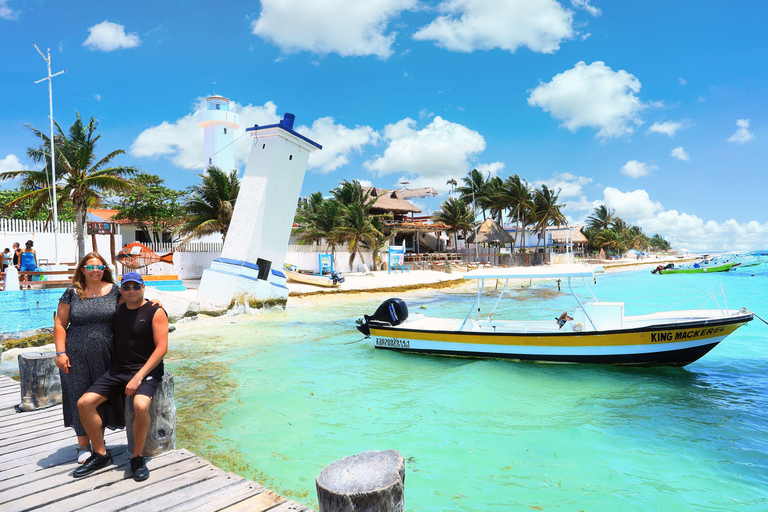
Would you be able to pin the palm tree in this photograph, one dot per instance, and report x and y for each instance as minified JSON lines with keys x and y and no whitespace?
{"x":358,"y":229}
{"x":456,"y":214}
{"x":591,"y":235}
{"x":547,"y":211}
{"x":320,"y":219}
{"x":210,"y":204}
{"x":601,"y":218}
{"x":520,"y":203}
{"x":474,"y":191}
{"x":453,"y":183}
{"x":81,"y":178}
{"x":608,"y":239}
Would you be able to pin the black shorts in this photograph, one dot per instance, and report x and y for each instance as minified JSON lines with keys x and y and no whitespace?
{"x":114,"y":381}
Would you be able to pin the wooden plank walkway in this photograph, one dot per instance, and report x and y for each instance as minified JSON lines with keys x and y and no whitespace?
{"x":37,"y":457}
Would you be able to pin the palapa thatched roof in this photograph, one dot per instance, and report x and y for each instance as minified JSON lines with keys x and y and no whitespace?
{"x":490,"y":232}
{"x":415,"y":227}
{"x":390,"y":200}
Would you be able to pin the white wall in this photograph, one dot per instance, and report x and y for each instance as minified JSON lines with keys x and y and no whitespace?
{"x":43,"y":237}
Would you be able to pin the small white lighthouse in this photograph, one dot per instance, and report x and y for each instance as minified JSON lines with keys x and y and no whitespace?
{"x":218,"y":125}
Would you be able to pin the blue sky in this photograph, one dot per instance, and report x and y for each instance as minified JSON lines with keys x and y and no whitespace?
{"x":656,"y":109}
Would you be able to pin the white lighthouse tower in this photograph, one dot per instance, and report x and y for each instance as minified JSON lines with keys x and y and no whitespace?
{"x":218,"y":125}
{"x":250,"y":267}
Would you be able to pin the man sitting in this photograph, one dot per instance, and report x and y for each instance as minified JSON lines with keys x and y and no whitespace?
{"x":562,"y":319}
{"x":140,"y":342}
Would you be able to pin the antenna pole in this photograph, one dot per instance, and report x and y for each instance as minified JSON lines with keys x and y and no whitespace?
{"x":53,"y":155}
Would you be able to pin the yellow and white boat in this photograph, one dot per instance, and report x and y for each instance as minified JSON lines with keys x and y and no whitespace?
{"x":598,"y":333}
{"x":294,"y":273}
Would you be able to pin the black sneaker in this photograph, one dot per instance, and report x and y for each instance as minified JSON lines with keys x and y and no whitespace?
{"x":139,"y":468}
{"x":93,"y":463}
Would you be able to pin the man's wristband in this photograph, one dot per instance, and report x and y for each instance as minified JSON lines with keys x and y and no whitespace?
{"x":60,"y":353}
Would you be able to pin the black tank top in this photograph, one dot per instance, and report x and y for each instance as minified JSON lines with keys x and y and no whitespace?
{"x":134,"y":340}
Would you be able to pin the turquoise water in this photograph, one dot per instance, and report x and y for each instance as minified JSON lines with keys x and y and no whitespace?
{"x":482,"y":435}
{"x":28,"y":309}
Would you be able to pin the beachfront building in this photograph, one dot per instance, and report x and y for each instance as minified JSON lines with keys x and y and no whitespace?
{"x":560,"y":240}
{"x":418,"y":234}
{"x":219,"y":125}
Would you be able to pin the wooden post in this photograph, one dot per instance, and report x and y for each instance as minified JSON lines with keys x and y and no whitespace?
{"x":40,"y":380}
{"x":162,"y":413}
{"x":112,"y":250}
{"x":371,"y":481}
{"x":93,"y":243}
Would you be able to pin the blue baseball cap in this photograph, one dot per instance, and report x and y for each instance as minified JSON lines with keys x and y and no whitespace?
{"x":132,"y":277}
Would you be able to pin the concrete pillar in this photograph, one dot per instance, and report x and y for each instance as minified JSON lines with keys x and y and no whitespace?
{"x":40,"y":380}
{"x":162,"y":413}
{"x":371,"y":481}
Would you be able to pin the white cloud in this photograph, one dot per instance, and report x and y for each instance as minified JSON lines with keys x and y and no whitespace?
{"x":181,"y":141}
{"x":682,"y":81}
{"x":592,"y":95}
{"x":683,"y":230}
{"x":680,"y":154}
{"x":11,"y":163}
{"x":440,"y":151}
{"x":108,"y":36}
{"x":425,"y":113}
{"x":584,"y":4}
{"x":6,"y":12}
{"x":366,"y":183}
{"x":635,"y":169}
{"x":338,"y":142}
{"x":97,"y":97}
{"x":348,"y":27}
{"x":569,"y":184}
{"x":742,"y":135}
{"x":668,"y":128}
{"x":492,"y":169}
{"x":631,"y":206}
{"x":469,"y":25}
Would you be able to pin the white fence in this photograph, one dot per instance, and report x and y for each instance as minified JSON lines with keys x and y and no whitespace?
{"x":190,"y":247}
{"x":41,"y":233}
{"x":35,"y":226}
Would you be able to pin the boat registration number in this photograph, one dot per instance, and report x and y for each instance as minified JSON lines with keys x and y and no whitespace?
{"x":392,"y":343}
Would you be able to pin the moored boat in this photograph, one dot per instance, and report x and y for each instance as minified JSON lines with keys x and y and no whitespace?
{"x":699,"y":267}
{"x":309,"y":277}
{"x":598,"y":332}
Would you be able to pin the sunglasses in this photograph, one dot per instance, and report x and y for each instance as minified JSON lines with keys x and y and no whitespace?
{"x":91,"y":268}
{"x":135,"y":287}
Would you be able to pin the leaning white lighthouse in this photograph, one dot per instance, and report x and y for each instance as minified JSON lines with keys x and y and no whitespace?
{"x":218,"y":125}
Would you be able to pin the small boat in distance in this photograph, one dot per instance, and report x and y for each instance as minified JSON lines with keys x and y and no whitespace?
{"x":598,"y":332}
{"x":309,"y":277}
{"x":698,"y":267}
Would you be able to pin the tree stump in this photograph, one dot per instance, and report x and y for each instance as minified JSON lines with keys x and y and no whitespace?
{"x":40,"y":380}
{"x":371,"y":481}
{"x":162,"y":413}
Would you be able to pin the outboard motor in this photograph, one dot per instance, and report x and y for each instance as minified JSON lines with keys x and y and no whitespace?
{"x":390,"y":312}
{"x":336,"y":276}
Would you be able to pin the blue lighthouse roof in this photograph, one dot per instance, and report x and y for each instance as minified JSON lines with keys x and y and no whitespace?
{"x":286,"y":123}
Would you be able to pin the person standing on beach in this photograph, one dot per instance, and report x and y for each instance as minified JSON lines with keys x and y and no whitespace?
{"x":141,"y":342}
{"x":28,"y":259}
{"x":83,"y":335}
{"x":16,"y":254}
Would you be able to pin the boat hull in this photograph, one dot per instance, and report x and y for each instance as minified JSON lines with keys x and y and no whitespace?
{"x":662,"y":345}
{"x":315,"y":279}
{"x":701,"y":270}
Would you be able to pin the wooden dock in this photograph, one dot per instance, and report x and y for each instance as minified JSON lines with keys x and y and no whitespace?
{"x":38,"y":456}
